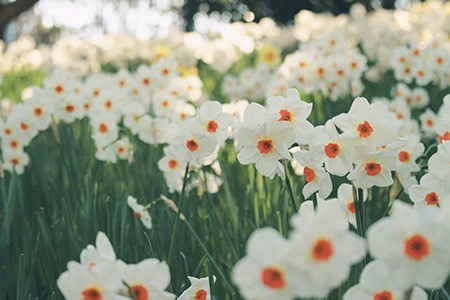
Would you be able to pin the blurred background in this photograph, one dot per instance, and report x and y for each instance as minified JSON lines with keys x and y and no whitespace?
{"x":47,"y":20}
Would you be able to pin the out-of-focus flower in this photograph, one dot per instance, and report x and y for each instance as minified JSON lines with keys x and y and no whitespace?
{"x":140,"y":212}
{"x":264,"y":272}
{"x":439,"y":163}
{"x":322,"y":250}
{"x":79,"y":282}
{"x":376,"y":283}
{"x":413,"y":246}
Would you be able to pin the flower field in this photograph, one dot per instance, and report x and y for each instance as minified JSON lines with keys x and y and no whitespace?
{"x":262,"y":162}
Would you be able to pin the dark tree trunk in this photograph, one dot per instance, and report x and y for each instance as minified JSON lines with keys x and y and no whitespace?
{"x":11,"y":11}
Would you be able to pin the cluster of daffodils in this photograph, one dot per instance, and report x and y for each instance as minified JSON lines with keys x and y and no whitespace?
{"x":367,"y":145}
{"x":100,"y":275}
{"x":367,"y":150}
{"x":335,"y":52}
{"x":266,"y":134}
{"x":408,"y":250}
{"x":222,"y":49}
{"x":196,"y":141}
{"x":417,"y":35}
{"x":331,"y":65}
{"x":315,"y":259}
{"x":436,"y":125}
{"x":145,"y":103}
{"x":251,"y":83}
{"x":430,"y":64}
{"x":23,"y":54}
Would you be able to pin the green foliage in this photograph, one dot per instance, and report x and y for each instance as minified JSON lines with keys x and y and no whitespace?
{"x":14,"y":83}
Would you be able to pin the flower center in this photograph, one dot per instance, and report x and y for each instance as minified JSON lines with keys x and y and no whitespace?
{"x":70,"y":108}
{"x":173,"y":163}
{"x":108,"y":104}
{"x":38,"y":111}
{"x":444,"y":137}
{"x":309,"y":174}
{"x":270,"y":56}
{"x":383,"y":295}
{"x":140,"y":292}
{"x":92,"y":294}
{"x":416,"y":247}
{"x":332,"y":150}
{"x":102,"y":128}
{"x":321,"y":71}
{"x":364,"y":129}
{"x":351,"y":206}
{"x":146,"y":81}
{"x":59,"y":89}
{"x":273,"y":278}
{"x":200,"y":295}
{"x":265,"y":146}
{"x":23,"y":125}
{"x":432,"y":198}
{"x":192,"y":145}
{"x":372,"y":169}
{"x":138,"y":215}
{"x":404,"y":156}
{"x":285,"y":115}
{"x":322,"y":250}
{"x":212,"y":126}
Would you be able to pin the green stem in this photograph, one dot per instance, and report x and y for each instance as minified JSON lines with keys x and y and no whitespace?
{"x":177,"y":219}
{"x":219,"y":220}
{"x":358,"y":212}
{"x":208,"y":254}
{"x":362,"y":211}
{"x":314,"y":200}
{"x":289,"y":187}
{"x":386,"y":212}
{"x":131,"y":292}
{"x":445,"y":293}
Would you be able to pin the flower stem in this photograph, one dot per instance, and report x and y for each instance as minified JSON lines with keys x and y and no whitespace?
{"x":219,"y":219}
{"x":445,"y":293}
{"x":208,"y":254}
{"x":359,"y":210}
{"x":131,"y":292}
{"x":289,"y":187}
{"x":314,"y":200}
{"x":177,"y":219}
